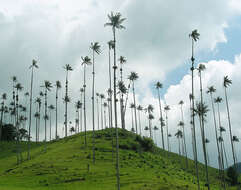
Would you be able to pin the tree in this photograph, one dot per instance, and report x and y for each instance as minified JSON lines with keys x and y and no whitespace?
{"x":81,"y":110}
{"x":194,"y":37}
{"x":122,"y":62}
{"x":207,"y":142}
{"x":95,"y":47}
{"x":85,"y":61}
{"x":140,"y":109}
{"x":78,"y":106}
{"x":201,"y":110}
{"x":210,"y":91}
{"x":158,"y":87}
{"x":51,"y":108}
{"x":132,"y":106}
{"x":179,"y":135}
{"x":36,"y":116}
{"x":150,"y":117}
{"x":72,"y":130}
{"x":226,"y":83}
{"x":14,"y":80}
{"x":32,"y":67}
{"x":98,"y":112}
{"x":235,"y":140}
{"x":4,"y":97}
{"x":155,"y":129}
{"x":232,"y":175}
{"x":68,"y":68}
{"x":133,"y":77}
{"x":102,"y":97}
{"x":115,"y":22}
{"x":39,"y":102}
{"x":167,"y":109}
{"x":183,"y":132}
{"x":58,"y":86}
{"x":47,"y":86}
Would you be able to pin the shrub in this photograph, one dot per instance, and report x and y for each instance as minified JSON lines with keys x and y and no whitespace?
{"x":147,"y":144}
{"x":232,"y":175}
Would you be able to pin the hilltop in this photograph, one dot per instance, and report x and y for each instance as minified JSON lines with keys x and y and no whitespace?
{"x":68,"y":164}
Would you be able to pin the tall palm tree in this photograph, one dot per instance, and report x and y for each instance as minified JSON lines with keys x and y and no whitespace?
{"x":194,"y":37}
{"x":58,"y":86}
{"x":207,"y":142}
{"x":68,"y":68}
{"x":133,"y":77}
{"x":183,"y":132}
{"x":39,"y":102}
{"x":115,"y":22}
{"x":95,"y":47}
{"x":222,"y":130}
{"x":140,"y":109}
{"x":14,"y":80}
{"x":81,"y":110}
{"x":158,"y":87}
{"x":78,"y":106}
{"x":51,"y":108}
{"x":4,"y":97}
{"x":47,"y":86}
{"x":235,"y":140}
{"x":210,"y":91}
{"x":122,"y":62}
{"x":226,"y":83}
{"x":105,"y":119}
{"x":32,"y":67}
{"x":201,"y":110}
{"x":97,"y":106}
{"x":36,"y":116}
{"x":167,"y":109}
{"x":85,"y":61}
{"x":150,"y":117}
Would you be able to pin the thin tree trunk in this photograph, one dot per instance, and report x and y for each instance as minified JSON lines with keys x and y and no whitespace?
{"x":230,"y":128}
{"x":134,"y":98}
{"x":93,"y":107}
{"x":39,"y":110}
{"x":193,"y":120}
{"x":132,"y":120}
{"x":101,"y":113}
{"x":122,"y":101}
{"x":115,"y":109}
{"x":66,"y":104}
{"x":50,"y":127}
{"x":139,"y":121}
{"x":184,"y":138}
{"x":30,"y":114}
{"x":56,"y":114}
{"x":45,"y":121}
{"x":85,"y":107}
{"x":98,"y":114}
{"x":159,"y":99}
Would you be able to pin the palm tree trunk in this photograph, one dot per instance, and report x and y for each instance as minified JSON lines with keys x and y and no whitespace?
{"x":56,"y":114}
{"x":30,"y":114}
{"x":184,"y":138}
{"x":134,"y":98}
{"x":50,"y":125}
{"x":115,"y":109}
{"x":203,"y":135}
{"x":132,"y":120}
{"x":193,"y":121}
{"x":139,"y":117}
{"x":66,"y":104}
{"x":215,"y":125}
{"x":105,"y":119}
{"x":225,"y":155}
{"x":101,"y":113}
{"x":93,"y":107}
{"x":1,"y":124}
{"x":167,"y":131}
{"x":45,"y":120}
{"x":159,"y":99}
{"x":39,"y":110}
{"x":122,"y":102}
{"x":98,"y":114}
{"x":230,"y":128}
{"x":85,"y":107}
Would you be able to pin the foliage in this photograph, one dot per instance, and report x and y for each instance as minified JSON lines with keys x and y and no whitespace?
{"x":9,"y":132}
{"x":232,"y":175}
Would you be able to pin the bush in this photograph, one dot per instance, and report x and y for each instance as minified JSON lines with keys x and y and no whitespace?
{"x":147,"y":144}
{"x":8,"y":132}
{"x":232,"y":175}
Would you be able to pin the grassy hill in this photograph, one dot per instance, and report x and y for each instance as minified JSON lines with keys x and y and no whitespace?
{"x":68,"y":165}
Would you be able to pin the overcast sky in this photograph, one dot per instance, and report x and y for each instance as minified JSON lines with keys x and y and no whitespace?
{"x":155,"y":44}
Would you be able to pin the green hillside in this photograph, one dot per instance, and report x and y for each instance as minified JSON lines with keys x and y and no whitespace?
{"x":67,"y":164}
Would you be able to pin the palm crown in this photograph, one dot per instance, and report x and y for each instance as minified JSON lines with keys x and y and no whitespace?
{"x":194,"y":35}
{"x":58,"y":84}
{"x":95,"y":46}
{"x":218,"y":100}
{"x":211,"y":89}
{"x":86,"y":60}
{"x":122,"y":60}
{"x":226,"y":81}
{"x":133,"y":76}
{"x":115,"y":20}
{"x":67,"y":67}
{"x":34,"y":64}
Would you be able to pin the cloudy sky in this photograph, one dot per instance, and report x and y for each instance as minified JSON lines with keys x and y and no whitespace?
{"x":155,"y":44}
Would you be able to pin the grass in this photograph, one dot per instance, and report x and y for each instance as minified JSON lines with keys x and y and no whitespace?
{"x":68,"y":165}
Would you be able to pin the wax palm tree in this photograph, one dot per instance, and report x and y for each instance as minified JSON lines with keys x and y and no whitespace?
{"x":158,"y":86}
{"x":122,"y":90}
{"x":150,"y":117}
{"x":102,"y":97}
{"x":68,"y":68}
{"x":167,"y":109}
{"x":47,"y":86}
{"x":222,"y":130}
{"x":220,"y":140}
{"x":51,"y":108}
{"x":155,"y":129}
{"x":58,"y":86}
{"x":201,"y":110}
{"x":146,"y":128}
{"x":183,"y":132}
{"x":85,"y":61}
{"x":95,"y":47}
{"x":36,"y":116}
{"x":207,"y":142}
{"x":32,"y":67}
{"x":179,"y":136}
{"x":14,"y":80}
{"x":4,"y":97}
{"x":140,"y":109}
{"x":226,"y":83}
{"x":210,"y":91}
{"x":105,"y":119}
{"x":39,"y":102}
{"x":81,"y":110}
{"x":71,"y":130}
{"x":115,"y":22}
{"x":133,"y":77}
{"x":98,"y":111}
{"x":194,"y":37}
{"x":122,"y":61}
{"x":78,"y":106}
